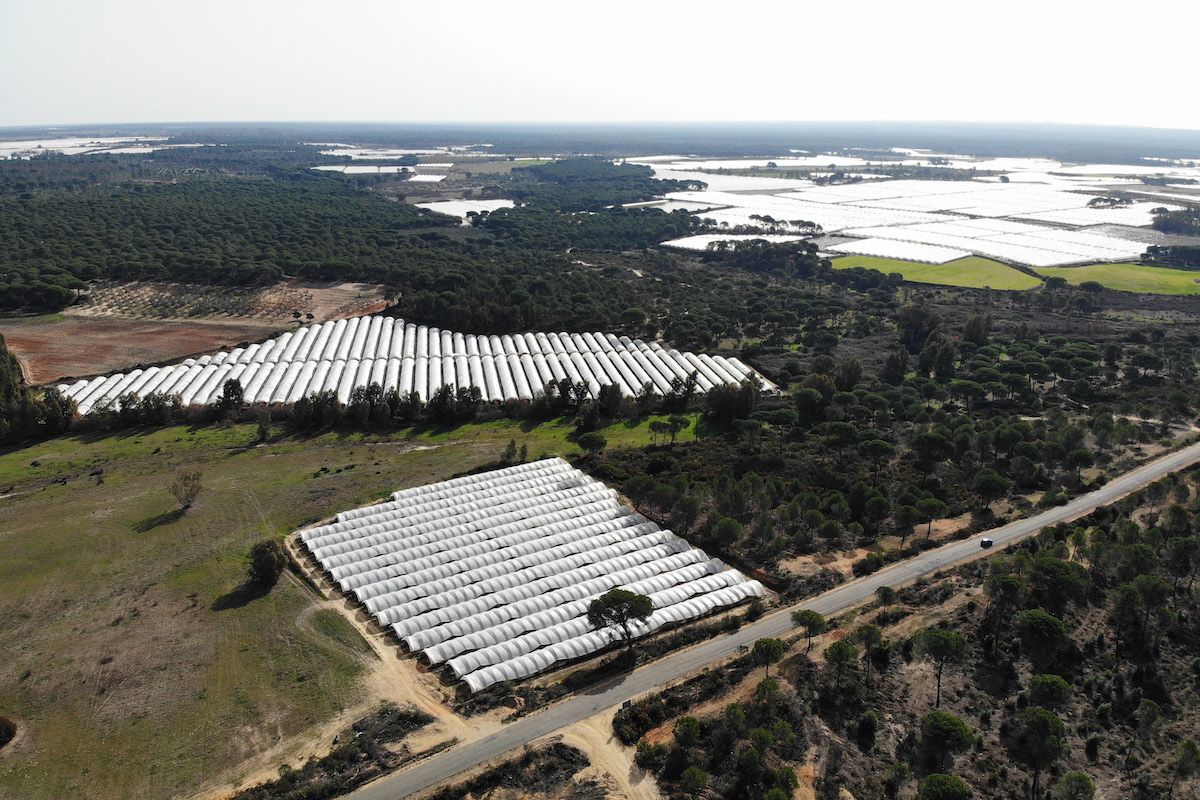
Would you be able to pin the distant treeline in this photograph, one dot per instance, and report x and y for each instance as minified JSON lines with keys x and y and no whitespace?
{"x":242,"y":232}
{"x":1174,"y":256}
{"x":253,"y":231}
{"x":1185,"y":222}
{"x":264,"y":157}
{"x":1075,"y":143}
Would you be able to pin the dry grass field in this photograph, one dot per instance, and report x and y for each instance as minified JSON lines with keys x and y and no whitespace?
{"x":127,"y":637}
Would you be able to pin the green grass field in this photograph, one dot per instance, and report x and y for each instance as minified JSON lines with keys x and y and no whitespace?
{"x":1140,"y":278}
{"x":131,"y":664}
{"x":973,"y":272}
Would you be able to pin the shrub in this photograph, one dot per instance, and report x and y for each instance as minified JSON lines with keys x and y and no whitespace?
{"x":942,"y":787}
{"x":8,"y":731}
{"x":872,"y":562}
{"x":186,"y":487}
{"x":267,"y":562}
{"x":650,"y":757}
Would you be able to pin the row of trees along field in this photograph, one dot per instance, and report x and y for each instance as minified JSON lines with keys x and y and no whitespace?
{"x":1174,"y":256}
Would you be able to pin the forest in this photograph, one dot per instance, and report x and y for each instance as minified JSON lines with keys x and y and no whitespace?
{"x":255,"y":230}
{"x":1185,"y":222}
{"x":1069,"y":672}
{"x":588,"y":184}
{"x":954,"y":420}
{"x":242,"y":232}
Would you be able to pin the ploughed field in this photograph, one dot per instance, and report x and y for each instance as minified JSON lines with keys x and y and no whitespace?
{"x":58,"y":346}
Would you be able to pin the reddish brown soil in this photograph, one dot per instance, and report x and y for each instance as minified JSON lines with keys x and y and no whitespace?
{"x":80,"y":346}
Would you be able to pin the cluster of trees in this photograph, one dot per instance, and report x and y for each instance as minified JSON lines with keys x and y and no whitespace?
{"x":850,"y":459}
{"x":798,"y":260}
{"x":1174,"y":255}
{"x":613,"y":228}
{"x":588,"y":184}
{"x":1080,"y":654}
{"x":27,"y":413}
{"x":1185,"y":222}
{"x":739,"y":753}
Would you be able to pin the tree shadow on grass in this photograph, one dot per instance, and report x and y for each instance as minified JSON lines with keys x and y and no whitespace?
{"x":242,"y":595}
{"x":166,"y":518}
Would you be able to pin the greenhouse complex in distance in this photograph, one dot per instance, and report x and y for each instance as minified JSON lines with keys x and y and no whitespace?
{"x":491,"y":574}
{"x":343,"y":355}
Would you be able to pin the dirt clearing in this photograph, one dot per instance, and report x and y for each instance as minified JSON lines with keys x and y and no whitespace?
{"x":611,"y":762}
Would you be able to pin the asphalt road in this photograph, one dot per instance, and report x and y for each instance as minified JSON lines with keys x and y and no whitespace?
{"x":445,"y":765}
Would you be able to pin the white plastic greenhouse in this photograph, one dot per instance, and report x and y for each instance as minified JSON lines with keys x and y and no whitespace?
{"x":350,"y":353}
{"x":491,"y":574}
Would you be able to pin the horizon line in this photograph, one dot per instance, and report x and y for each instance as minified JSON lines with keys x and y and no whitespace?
{"x":603,"y":123}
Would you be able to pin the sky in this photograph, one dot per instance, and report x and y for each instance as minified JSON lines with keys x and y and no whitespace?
{"x":109,"y":61}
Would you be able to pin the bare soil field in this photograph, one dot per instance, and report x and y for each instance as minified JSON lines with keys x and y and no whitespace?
{"x":56,"y":347}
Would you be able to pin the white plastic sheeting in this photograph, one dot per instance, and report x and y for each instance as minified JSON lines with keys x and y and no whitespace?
{"x":909,"y":251}
{"x":347,"y":354}
{"x":912,"y":211}
{"x":1008,"y":240}
{"x":491,"y":574}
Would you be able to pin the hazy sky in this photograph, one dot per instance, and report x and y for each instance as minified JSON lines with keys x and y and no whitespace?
{"x":87,"y":61}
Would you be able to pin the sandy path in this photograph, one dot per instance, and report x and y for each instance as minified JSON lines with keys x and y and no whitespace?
{"x":395,"y":677}
{"x":612,"y":762}
{"x":390,"y":676}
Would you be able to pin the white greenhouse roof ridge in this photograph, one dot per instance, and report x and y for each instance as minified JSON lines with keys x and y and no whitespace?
{"x":895,"y":209}
{"x":703,"y":240}
{"x":491,"y":574}
{"x":460,"y":208}
{"x":343,"y":355}
{"x":1007,"y":240}
{"x":908,"y":251}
